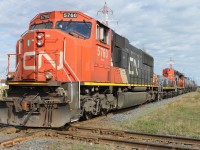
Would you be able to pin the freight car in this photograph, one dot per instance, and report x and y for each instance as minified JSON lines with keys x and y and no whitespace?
{"x":69,"y":65}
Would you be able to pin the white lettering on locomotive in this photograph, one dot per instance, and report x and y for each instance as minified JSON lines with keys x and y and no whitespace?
{"x":133,"y":64}
{"x":42,"y":54}
{"x":24,"y":61}
{"x":102,"y":52}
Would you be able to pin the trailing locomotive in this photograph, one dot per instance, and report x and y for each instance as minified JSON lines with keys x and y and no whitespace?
{"x":69,"y":65}
{"x":173,"y":83}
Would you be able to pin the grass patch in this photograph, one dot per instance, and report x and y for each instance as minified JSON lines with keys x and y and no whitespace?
{"x":181,"y":117}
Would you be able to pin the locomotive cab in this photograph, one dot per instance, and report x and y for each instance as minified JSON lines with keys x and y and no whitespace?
{"x":60,"y":49}
{"x":45,"y":49}
{"x":62,"y":43}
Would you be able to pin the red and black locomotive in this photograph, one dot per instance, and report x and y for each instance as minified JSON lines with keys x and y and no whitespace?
{"x":69,"y":65}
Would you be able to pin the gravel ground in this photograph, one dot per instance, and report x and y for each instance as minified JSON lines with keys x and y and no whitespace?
{"x":112,"y":122}
{"x":8,"y":136}
{"x":44,"y":143}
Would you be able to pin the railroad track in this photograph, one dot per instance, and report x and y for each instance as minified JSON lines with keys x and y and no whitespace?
{"x":151,"y":141}
{"x":20,"y":139}
{"x":118,"y":139}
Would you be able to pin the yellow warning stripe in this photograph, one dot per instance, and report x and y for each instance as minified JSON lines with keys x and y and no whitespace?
{"x":115,"y":84}
{"x":94,"y":84}
{"x":27,"y":83}
{"x":172,"y":88}
{"x":168,"y":88}
{"x":121,"y":84}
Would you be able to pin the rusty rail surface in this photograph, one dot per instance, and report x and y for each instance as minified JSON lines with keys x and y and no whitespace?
{"x":172,"y":141}
{"x":20,"y":139}
{"x":116,"y":142}
{"x":118,"y":139}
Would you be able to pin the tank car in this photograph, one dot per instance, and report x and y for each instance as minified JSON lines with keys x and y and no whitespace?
{"x":68,"y":66}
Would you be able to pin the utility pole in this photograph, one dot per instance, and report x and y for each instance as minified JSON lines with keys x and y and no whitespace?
{"x":171,"y":62}
{"x":144,"y":49}
{"x":105,"y":12}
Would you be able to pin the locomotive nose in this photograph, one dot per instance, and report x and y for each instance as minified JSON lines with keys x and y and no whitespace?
{"x":42,"y":61}
{"x":27,"y":49}
{"x":33,"y":40}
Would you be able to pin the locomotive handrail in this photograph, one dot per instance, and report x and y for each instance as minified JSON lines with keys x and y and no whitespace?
{"x":34,"y":17}
{"x":68,"y":64}
{"x":24,"y":33}
{"x":70,"y":82}
{"x":9,"y":60}
{"x":36,"y":64}
{"x":17,"y":70}
{"x":64,"y":48}
{"x":67,"y":75}
{"x":1,"y":77}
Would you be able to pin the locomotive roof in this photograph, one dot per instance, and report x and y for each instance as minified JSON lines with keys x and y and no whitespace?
{"x":79,"y":16}
{"x":60,"y":15}
{"x":175,"y":71}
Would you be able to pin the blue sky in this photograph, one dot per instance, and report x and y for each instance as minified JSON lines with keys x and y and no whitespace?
{"x":165,"y":28}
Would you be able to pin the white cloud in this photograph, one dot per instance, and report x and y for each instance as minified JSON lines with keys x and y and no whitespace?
{"x":165,"y":28}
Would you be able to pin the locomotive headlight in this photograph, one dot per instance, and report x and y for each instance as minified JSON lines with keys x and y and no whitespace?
{"x":39,"y":43}
{"x":40,"y":36}
{"x":9,"y":76}
{"x":48,"y":75}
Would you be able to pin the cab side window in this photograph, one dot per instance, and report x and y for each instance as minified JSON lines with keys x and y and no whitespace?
{"x":103,"y":34}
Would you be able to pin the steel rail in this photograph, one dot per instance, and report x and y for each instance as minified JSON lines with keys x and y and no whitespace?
{"x":116,"y":142}
{"x":149,"y":138}
{"x":118,"y":139}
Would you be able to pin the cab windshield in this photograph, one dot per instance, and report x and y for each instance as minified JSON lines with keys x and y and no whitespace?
{"x":47,"y":25}
{"x":79,"y":28}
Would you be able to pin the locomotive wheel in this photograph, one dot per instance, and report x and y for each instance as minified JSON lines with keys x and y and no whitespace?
{"x":105,"y":107}
{"x":88,"y":115}
{"x":104,"y":111}
{"x":158,"y":97}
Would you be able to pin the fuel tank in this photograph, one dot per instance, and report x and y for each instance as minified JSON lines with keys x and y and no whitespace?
{"x":129,"y":99}
{"x":139,"y":89}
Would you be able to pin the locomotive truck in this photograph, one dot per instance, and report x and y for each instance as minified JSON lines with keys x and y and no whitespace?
{"x":71,"y":66}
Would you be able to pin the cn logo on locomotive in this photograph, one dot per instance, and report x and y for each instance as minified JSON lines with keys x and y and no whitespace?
{"x":133,"y":66}
{"x":40,"y":56}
